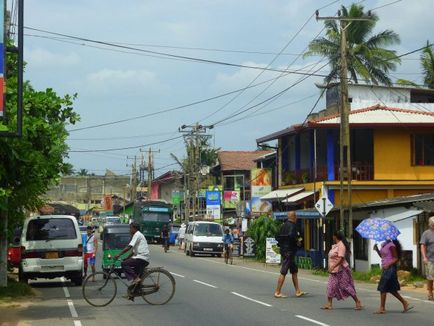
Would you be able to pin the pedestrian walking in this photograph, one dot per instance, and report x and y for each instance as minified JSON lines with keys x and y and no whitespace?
{"x":288,"y":242}
{"x":181,"y":235}
{"x":390,"y":254}
{"x":91,"y":249}
{"x":427,"y":250}
{"x":340,"y":284}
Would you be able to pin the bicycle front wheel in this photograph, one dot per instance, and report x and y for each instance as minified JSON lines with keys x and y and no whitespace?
{"x":99,"y":289}
{"x":161,"y":285}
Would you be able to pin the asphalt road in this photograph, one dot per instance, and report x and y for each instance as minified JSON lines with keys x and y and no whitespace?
{"x":209,"y":292}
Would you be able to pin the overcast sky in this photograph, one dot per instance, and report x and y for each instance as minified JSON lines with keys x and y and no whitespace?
{"x":114,"y":84}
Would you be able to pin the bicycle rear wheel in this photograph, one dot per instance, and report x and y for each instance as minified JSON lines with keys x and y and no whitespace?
{"x":162,"y":285}
{"x":99,"y":289}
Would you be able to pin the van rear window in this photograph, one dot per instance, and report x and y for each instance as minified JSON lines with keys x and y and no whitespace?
{"x":51,"y":229}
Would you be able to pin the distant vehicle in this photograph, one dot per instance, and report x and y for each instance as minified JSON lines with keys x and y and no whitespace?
{"x":14,"y":250}
{"x":173,"y":233}
{"x":51,"y":247}
{"x":116,"y":237}
{"x":152,"y":215}
{"x":204,"y":238}
{"x":109,"y":220}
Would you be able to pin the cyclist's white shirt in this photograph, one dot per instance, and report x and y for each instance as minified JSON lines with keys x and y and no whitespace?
{"x":140,"y":246}
{"x":90,"y":245}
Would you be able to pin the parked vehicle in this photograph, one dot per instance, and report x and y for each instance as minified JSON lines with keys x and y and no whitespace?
{"x":204,"y":238}
{"x":109,"y":220}
{"x":116,"y":237}
{"x":51,"y":246}
{"x":152,"y":215}
{"x":14,"y":250}
{"x":173,"y":233}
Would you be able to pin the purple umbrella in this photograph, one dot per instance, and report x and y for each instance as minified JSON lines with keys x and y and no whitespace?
{"x":378,"y":229}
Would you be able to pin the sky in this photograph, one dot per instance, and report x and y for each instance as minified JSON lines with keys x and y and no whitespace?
{"x":113,"y":84}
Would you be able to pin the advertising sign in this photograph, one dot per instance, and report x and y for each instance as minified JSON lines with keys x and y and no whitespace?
{"x":176,"y":197}
{"x":213,"y":198}
{"x":272,"y":255}
{"x":261,"y":185}
{"x":249,"y":247}
{"x":213,"y":212}
{"x":231,"y":198}
{"x":236,"y":248}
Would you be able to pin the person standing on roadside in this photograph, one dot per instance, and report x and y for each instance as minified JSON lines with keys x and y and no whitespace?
{"x":427,"y":250}
{"x":288,"y":242}
{"x":340,"y":284}
{"x":91,"y":249}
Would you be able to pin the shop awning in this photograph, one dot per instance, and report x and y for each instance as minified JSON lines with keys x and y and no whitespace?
{"x":281,"y":194}
{"x":404,"y":215}
{"x":297,"y":197}
{"x":307,"y":214}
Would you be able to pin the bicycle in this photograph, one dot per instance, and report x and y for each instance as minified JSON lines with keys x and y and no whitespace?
{"x":165,"y":242}
{"x":157,"y":287}
{"x":228,"y":254}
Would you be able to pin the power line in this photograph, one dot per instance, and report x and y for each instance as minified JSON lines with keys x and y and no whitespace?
{"x":386,"y":5}
{"x":123,"y":148}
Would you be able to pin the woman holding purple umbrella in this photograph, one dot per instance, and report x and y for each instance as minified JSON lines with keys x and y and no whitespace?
{"x":390,"y":254}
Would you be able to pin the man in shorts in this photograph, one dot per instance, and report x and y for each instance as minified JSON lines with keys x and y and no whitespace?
{"x":288,"y":243}
{"x":427,"y":250}
{"x":91,"y":249}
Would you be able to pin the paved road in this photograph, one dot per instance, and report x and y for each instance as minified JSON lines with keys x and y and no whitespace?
{"x":208,"y":292}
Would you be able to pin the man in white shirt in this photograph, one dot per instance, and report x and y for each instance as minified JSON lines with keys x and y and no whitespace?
{"x":138,"y":259}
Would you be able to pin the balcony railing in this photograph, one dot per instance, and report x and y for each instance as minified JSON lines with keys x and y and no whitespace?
{"x":360,"y":172}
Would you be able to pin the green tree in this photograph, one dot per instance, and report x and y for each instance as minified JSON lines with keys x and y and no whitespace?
{"x":262,"y":228}
{"x":427,"y":61}
{"x":83,"y":172}
{"x":367,"y":58}
{"x":31,"y":164}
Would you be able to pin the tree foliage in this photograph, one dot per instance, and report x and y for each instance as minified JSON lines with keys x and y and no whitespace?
{"x":427,"y":62}
{"x":262,"y":228}
{"x":367,"y":57}
{"x":31,"y":164}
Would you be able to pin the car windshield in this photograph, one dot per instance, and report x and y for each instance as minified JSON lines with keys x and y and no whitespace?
{"x":50,"y":229}
{"x":156,"y":217}
{"x":113,"y":220}
{"x":209,"y":230}
{"x":116,"y":240}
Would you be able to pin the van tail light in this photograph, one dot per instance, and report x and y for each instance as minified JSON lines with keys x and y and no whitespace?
{"x":80,"y":248}
{"x":29,"y":254}
{"x":72,"y":253}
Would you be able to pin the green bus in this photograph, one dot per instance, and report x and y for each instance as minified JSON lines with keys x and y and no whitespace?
{"x":152,"y":215}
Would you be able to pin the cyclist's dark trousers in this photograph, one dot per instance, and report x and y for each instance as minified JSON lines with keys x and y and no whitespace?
{"x":133,"y":267}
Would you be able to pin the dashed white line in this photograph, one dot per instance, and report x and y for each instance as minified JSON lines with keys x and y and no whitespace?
{"x":179,"y":275}
{"x":65,"y":289}
{"x":72,"y":309}
{"x":311,"y":320}
{"x":206,"y":284}
{"x":77,"y":323}
{"x":250,"y":299}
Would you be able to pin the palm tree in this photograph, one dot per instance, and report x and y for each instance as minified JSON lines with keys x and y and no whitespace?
{"x":367,"y":58}
{"x":83,"y":172}
{"x":427,"y":61}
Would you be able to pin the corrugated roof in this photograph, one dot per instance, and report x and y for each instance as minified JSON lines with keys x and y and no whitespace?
{"x":379,"y":114}
{"x":239,"y":160}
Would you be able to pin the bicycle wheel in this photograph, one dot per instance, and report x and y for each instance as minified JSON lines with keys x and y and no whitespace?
{"x":162,"y":285}
{"x":231,"y":258}
{"x":99,"y":289}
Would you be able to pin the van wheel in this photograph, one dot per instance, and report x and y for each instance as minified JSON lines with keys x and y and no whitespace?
{"x":78,"y":281}
{"x":22,"y":277}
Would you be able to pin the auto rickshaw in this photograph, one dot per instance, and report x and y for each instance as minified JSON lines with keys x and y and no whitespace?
{"x":116,"y":237}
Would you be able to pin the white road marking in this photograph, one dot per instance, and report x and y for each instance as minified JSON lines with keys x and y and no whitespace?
{"x":250,"y":299}
{"x":65,"y":289}
{"x":207,"y":284}
{"x":77,"y":323}
{"x":311,"y":320}
{"x":72,"y":309}
{"x":179,"y":275}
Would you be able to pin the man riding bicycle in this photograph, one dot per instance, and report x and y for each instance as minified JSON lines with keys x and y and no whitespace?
{"x":228,"y":240}
{"x":134,"y":265}
{"x":165,"y":237}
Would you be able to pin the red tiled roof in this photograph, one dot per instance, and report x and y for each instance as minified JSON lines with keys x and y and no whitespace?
{"x":239,"y":160}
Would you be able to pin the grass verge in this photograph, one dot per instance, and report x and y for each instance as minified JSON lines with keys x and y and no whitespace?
{"x":15,"y":290}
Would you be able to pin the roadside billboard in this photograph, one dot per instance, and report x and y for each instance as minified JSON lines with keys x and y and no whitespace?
{"x":272,"y":253}
{"x":260,"y":186}
{"x":213,"y":204}
{"x":231,"y":199}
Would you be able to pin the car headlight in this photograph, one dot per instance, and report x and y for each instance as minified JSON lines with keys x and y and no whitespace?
{"x":220,"y":245}
{"x":195,"y":244}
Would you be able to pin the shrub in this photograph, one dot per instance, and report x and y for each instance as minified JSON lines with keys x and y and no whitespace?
{"x":262,"y":228}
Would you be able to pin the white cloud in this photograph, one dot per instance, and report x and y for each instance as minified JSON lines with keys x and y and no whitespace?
{"x":43,"y":58}
{"x":117,"y":80}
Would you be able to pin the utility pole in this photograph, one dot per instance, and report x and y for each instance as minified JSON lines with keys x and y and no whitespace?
{"x":345,"y":167}
{"x":150,"y":172}
{"x":133,"y":189}
{"x":192,"y":137}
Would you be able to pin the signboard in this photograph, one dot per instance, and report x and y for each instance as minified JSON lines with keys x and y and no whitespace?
{"x":176,"y":197}
{"x":260,"y":186}
{"x":213,"y":212}
{"x":231,"y":198}
{"x":213,"y":198}
{"x":156,"y":209}
{"x":2,"y":57}
{"x":236,"y":248}
{"x":272,"y":255}
{"x":249,"y":247}
{"x":323,"y":206}
{"x":107,"y":203}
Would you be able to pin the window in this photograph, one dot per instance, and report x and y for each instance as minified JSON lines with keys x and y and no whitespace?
{"x":50,"y":229}
{"x":156,"y":217}
{"x":116,"y":241}
{"x":208,"y":230}
{"x":423,"y":149}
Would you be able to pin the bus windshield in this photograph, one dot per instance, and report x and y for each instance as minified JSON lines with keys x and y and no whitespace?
{"x":156,"y":217}
{"x":210,"y":230}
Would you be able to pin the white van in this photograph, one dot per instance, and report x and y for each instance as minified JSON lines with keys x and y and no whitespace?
{"x":51,"y":246}
{"x":203,"y":238}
